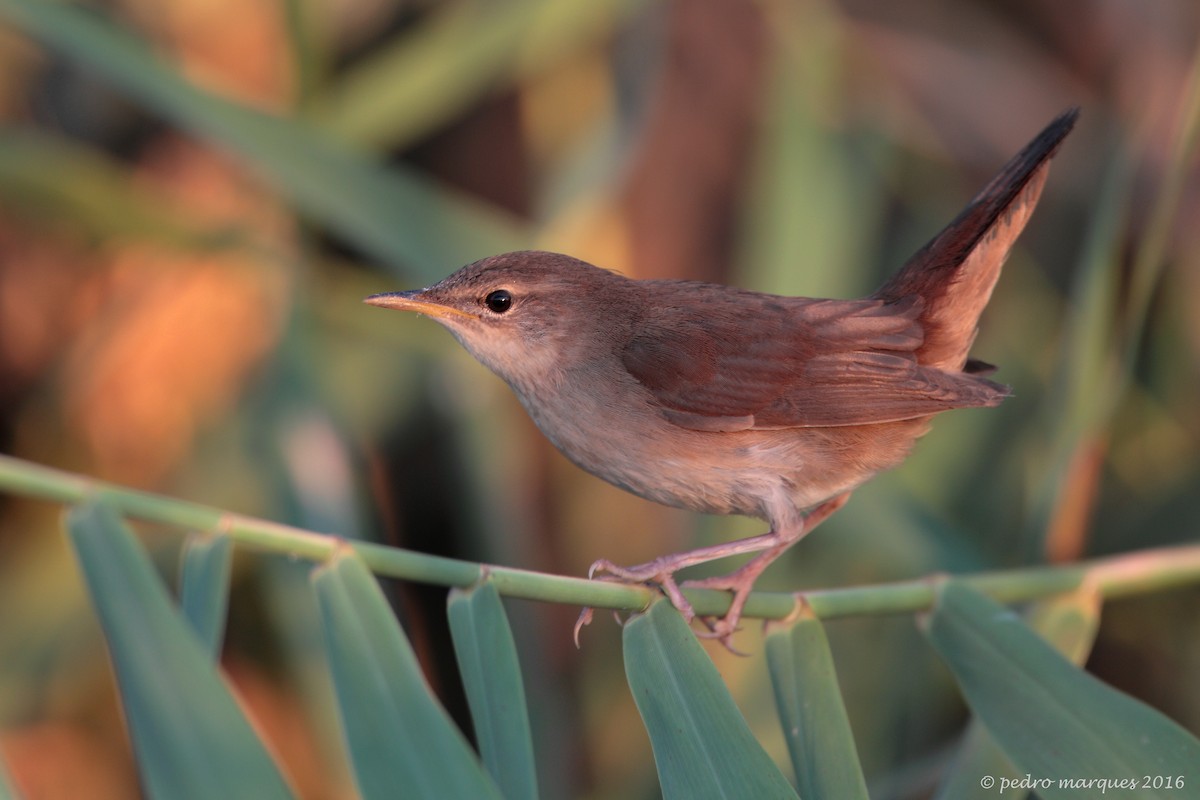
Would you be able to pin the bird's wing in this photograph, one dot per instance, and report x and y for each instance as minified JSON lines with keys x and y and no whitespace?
{"x":727,"y":365}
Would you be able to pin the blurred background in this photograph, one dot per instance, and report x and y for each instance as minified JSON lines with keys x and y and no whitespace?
{"x":180,"y":287}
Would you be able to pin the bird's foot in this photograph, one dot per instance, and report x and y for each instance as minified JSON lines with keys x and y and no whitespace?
{"x":660,"y":572}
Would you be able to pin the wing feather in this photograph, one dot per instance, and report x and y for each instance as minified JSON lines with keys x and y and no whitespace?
{"x":795,"y":363}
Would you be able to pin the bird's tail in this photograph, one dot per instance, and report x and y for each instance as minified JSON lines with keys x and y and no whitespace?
{"x":955,"y":272}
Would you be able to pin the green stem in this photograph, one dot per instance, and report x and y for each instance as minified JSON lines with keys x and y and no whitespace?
{"x":1115,"y":576}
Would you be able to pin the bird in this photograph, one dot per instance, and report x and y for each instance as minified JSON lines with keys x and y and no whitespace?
{"x":723,"y":400}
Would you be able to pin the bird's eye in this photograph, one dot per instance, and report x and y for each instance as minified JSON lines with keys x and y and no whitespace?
{"x":499,"y":301}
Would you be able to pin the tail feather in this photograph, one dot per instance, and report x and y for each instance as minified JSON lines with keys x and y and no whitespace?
{"x":956,"y":271}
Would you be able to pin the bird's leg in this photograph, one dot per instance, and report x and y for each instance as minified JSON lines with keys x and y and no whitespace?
{"x":741,"y":581}
{"x":661,"y":571}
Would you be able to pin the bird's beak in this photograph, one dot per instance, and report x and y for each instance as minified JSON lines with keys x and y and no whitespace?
{"x":412,"y":301}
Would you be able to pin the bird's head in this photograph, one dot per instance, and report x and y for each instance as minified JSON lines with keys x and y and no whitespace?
{"x":525,"y":315}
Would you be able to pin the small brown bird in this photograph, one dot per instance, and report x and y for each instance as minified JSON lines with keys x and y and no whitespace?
{"x":728,"y":401}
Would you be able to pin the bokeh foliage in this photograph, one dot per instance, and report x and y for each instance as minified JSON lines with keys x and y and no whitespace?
{"x":197,"y":195}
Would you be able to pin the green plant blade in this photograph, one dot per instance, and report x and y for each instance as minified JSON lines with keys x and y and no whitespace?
{"x":487,"y":659}
{"x":397,"y":734}
{"x":702,"y":745}
{"x":394,"y":215}
{"x":204,"y":594}
{"x":461,"y":52}
{"x":1070,"y":624}
{"x":1054,"y":721}
{"x":190,"y":736}
{"x":811,"y":710}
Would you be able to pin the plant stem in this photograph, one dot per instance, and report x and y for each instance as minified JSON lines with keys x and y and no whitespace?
{"x":1115,"y":576}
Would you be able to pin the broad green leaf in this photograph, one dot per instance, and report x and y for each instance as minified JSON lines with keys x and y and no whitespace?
{"x":1069,"y":623}
{"x":811,"y":710}
{"x":1054,"y":721}
{"x":702,"y":745}
{"x":461,"y":52}
{"x":487,"y":659}
{"x":392,"y":214}
{"x":191,"y":737}
{"x":395,"y":730}
{"x":204,"y":594}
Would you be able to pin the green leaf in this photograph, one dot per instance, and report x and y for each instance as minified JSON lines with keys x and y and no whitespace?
{"x":1069,"y":623}
{"x":810,"y":707}
{"x":459,"y":53}
{"x":191,"y":737}
{"x":1056,"y":722}
{"x":487,"y":659}
{"x":702,"y":745}
{"x":395,"y":730}
{"x":395,"y":215}
{"x":204,"y":595}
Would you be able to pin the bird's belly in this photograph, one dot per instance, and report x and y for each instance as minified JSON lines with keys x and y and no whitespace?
{"x":773,"y":475}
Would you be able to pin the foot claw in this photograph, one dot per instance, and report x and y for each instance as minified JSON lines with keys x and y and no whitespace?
{"x":600,"y":565}
{"x":585,"y":618}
